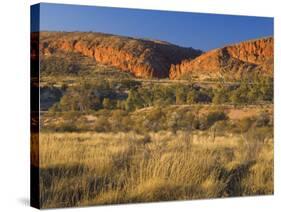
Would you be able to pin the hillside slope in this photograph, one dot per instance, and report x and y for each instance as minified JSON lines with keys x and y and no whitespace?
{"x":230,"y":62}
{"x":143,"y":58}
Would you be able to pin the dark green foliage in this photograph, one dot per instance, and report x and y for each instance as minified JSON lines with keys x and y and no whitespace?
{"x":164,"y":95}
{"x":259,"y":90}
{"x":134,"y":100}
{"x":67,"y":127}
{"x":203,"y":96}
{"x":49,"y":97}
{"x":181,"y":95}
{"x":129,"y":84}
{"x":220,"y":97}
{"x":215,"y":116}
{"x":60,"y":66}
{"x":180,"y":120}
{"x":192,"y":97}
{"x":82,"y":98}
{"x":132,"y":95}
{"x":91,"y":96}
{"x":266,"y":88}
{"x":263,"y":120}
{"x":108,"y":103}
{"x":240,"y":95}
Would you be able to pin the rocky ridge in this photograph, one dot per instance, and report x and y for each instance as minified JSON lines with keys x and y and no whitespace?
{"x":143,"y":58}
{"x":233,"y":61}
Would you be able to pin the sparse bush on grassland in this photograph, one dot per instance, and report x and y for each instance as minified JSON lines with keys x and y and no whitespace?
{"x":131,"y":95}
{"x":214,"y":117}
{"x":154,"y":119}
{"x":153,"y":151}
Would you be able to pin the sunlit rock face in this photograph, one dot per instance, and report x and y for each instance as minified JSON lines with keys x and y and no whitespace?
{"x":144,"y":58}
{"x":234,"y":60}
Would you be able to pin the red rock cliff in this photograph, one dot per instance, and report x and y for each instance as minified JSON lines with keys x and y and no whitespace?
{"x":233,"y":61}
{"x":143,"y":58}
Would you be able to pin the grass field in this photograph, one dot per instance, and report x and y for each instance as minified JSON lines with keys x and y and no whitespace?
{"x":90,"y":168}
{"x":107,"y":138}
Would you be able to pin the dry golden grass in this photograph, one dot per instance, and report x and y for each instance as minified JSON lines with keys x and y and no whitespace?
{"x":79,"y":169}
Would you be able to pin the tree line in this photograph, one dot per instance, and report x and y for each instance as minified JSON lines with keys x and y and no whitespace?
{"x":131,"y":95}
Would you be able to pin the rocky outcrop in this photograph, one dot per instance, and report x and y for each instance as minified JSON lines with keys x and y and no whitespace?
{"x":143,"y":58}
{"x":255,"y":51}
{"x":231,"y":62}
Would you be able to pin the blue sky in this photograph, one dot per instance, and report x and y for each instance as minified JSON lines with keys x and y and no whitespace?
{"x":197,"y":30}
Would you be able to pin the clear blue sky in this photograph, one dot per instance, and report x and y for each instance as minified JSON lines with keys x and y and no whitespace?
{"x":197,"y":30}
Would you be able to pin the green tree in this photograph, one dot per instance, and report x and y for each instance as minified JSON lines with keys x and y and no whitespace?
{"x":220,"y":97}
{"x":192,"y":97}
{"x":147,"y":97}
{"x":134,"y":100}
{"x":214,"y":117}
{"x":266,"y":88}
{"x":180,"y":95}
{"x":121,"y":104}
{"x":240,"y":95}
{"x":106,"y":103}
{"x":80,"y":98}
{"x":173,"y":121}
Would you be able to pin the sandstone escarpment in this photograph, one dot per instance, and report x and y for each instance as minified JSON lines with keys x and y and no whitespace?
{"x":232,"y":61}
{"x":143,"y":58}
{"x":256,"y":51}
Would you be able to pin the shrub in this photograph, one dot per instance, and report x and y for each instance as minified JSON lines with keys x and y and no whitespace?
{"x":60,"y":66}
{"x":205,"y":122}
{"x":180,"y":95}
{"x":67,"y":126}
{"x":154,"y":120}
{"x":245,"y":124}
{"x":262,"y":120}
{"x":134,"y":101}
{"x":108,"y":103}
{"x":192,"y":97}
{"x":220,"y":97}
